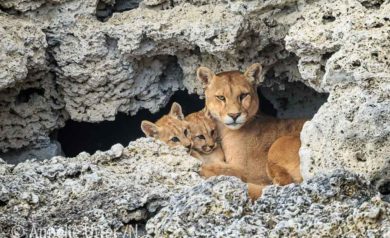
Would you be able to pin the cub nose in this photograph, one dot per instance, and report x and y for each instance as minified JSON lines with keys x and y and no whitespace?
{"x":234,"y":115}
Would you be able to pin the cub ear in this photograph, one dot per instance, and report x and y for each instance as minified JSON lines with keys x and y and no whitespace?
{"x":149,"y":128}
{"x":176,"y":111}
{"x":205,"y":75}
{"x":253,"y":73}
{"x":207,"y":113}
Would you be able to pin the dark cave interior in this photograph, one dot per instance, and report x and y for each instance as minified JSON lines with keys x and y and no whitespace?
{"x":126,"y":128}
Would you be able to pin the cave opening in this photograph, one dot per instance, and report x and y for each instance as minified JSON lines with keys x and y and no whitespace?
{"x":25,"y":95}
{"x":105,"y":10}
{"x":384,"y":188}
{"x":125,"y":128}
{"x":297,"y":100}
{"x":91,"y":137}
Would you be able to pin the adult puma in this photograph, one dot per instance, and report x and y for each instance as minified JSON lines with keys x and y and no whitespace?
{"x":247,"y":136}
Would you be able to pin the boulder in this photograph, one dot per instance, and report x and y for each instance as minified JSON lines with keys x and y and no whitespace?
{"x":106,"y":192}
{"x":332,"y":205}
{"x":343,"y":50}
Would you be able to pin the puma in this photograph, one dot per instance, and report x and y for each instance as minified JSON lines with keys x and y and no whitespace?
{"x":171,"y":129}
{"x":261,"y":148}
{"x":204,"y":136}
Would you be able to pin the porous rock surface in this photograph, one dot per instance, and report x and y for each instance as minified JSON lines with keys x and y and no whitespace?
{"x":80,"y":59}
{"x":136,"y":59}
{"x":343,"y":50}
{"x":106,"y":191}
{"x":30,"y":105}
{"x":150,"y":190}
{"x":335,"y":205}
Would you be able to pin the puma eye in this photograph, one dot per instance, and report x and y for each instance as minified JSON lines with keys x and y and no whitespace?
{"x":243,"y":95}
{"x":201,"y":137}
{"x":175,"y":139}
{"x":221,"y":98}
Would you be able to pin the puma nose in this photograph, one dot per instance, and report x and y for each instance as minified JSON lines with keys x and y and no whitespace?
{"x":188,"y":146}
{"x":234,"y":115}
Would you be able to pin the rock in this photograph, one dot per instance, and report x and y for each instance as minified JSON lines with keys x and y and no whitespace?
{"x":97,"y":191}
{"x":199,"y":211}
{"x":328,"y":205}
{"x":340,"y":44}
{"x":116,"y":150}
{"x":153,"y":2}
{"x":295,"y":100}
{"x":343,"y":50}
{"x":31,"y":107}
{"x":30,"y":111}
{"x":152,"y":190}
{"x":69,"y":63}
{"x":22,"y":50}
{"x":23,"y":5}
{"x":138,"y":58}
{"x":45,"y":150}
{"x":350,"y":131}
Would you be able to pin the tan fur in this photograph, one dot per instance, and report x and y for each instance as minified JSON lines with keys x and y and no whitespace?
{"x":222,"y":168}
{"x":246,"y":140}
{"x":208,"y":149}
{"x":204,"y":136}
{"x":171,"y":128}
{"x":255,"y":190}
{"x":287,"y":170}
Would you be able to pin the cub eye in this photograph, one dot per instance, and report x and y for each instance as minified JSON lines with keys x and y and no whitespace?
{"x":221,"y":98}
{"x":175,"y":139}
{"x":201,"y":137}
{"x":243,"y":95}
{"x":212,"y":132}
{"x":186,"y":132}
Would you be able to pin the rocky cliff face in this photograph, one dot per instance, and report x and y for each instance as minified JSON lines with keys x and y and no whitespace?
{"x":137,"y":59}
{"x":335,"y":205}
{"x":88,"y":60}
{"x":343,"y":49}
{"x":150,"y":190}
{"x":107,"y":191}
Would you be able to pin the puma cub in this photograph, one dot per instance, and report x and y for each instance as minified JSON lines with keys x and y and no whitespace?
{"x":171,"y":128}
{"x":207,"y":148}
{"x":204,"y":136}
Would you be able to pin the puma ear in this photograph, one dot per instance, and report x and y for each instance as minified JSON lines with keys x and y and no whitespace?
{"x":253,"y":73}
{"x":150,"y":129}
{"x":176,"y":111}
{"x":205,"y":75}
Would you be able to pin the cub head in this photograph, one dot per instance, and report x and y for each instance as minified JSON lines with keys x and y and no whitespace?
{"x":171,"y":128}
{"x":231,"y":97}
{"x":203,"y":132}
